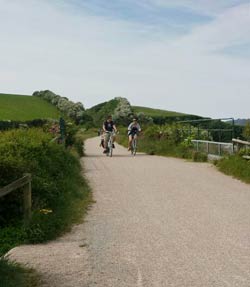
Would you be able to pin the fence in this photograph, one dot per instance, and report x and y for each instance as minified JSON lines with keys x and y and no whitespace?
{"x":213,"y":148}
{"x":25,"y":184}
{"x":239,"y":144}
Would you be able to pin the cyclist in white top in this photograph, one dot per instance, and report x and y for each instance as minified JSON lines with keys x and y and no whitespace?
{"x":133,"y":131}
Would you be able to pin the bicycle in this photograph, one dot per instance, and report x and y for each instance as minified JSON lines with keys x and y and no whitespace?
{"x":110,"y":144}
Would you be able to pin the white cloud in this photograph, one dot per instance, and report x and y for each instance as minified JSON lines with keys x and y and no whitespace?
{"x":206,"y":7}
{"x":93,"y":59}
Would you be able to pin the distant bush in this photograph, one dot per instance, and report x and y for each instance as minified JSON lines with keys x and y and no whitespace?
{"x":123,"y":112}
{"x":73,"y":110}
{"x":7,"y":125}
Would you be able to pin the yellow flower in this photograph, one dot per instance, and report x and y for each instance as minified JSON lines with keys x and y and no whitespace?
{"x":45,"y":211}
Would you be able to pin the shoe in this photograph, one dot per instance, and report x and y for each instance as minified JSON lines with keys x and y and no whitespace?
{"x":105,"y":151}
{"x":113,"y":145}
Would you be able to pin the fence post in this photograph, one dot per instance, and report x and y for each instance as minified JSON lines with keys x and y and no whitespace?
{"x":27,"y":201}
{"x":219,"y":147}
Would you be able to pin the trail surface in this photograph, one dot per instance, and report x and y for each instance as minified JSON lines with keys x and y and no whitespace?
{"x":156,"y":222}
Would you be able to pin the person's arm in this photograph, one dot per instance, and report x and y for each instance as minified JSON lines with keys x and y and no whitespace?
{"x":139,"y":127}
{"x":103,"y":127}
{"x":115,"y":129}
{"x":129,"y":127}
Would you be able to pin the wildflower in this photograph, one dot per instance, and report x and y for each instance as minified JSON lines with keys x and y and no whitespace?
{"x":45,"y":211}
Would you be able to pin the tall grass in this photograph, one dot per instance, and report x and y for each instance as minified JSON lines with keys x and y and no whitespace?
{"x":14,"y":275}
{"x":235,"y":166}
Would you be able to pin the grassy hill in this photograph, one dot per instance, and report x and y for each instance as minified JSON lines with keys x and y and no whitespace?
{"x":156,"y":112}
{"x":24,"y":108}
{"x":100,"y":111}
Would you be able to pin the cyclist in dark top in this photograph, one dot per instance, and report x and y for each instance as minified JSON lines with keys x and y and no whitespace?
{"x":133,"y":131}
{"x":108,"y":127}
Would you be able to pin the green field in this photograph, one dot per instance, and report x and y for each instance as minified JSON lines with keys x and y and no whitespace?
{"x":156,"y":112}
{"x":24,"y":108}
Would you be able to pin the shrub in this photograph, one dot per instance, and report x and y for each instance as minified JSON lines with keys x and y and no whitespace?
{"x":199,"y":156}
{"x":73,"y":110}
{"x":56,"y":184}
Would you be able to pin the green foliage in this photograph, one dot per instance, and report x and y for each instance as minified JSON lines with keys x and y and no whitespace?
{"x":57,"y":185}
{"x":235,"y":166}
{"x":199,"y":156}
{"x":25,"y":108}
{"x":100,"y":112}
{"x":244,"y":151}
{"x":11,"y":236}
{"x":74,"y":111}
{"x":13,"y":275}
{"x":156,"y":141}
{"x":168,"y":140}
{"x":246,"y":131}
{"x":119,"y":108}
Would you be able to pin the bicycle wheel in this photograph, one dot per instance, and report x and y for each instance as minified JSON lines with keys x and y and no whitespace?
{"x":110,"y":145}
{"x":134,"y":147}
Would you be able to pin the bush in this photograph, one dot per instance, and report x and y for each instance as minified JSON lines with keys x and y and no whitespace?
{"x":199,"y":156}
{"x":72,"y":110}
{"x":57,"y":185}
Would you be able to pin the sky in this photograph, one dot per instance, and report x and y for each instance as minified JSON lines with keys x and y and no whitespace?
{"x":190,"y":56}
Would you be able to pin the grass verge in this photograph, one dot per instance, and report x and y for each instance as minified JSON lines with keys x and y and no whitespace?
{"x":14,"y":275}
{"x":235,"y":166}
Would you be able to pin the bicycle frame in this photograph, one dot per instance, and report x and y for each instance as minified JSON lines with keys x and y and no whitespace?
{"x":110,"y":144}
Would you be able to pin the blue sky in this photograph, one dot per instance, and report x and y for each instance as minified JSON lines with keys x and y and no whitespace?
{"x":188,"y":56}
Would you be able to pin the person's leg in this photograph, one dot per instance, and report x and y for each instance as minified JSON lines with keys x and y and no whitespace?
{"x":106,"y":139}
{"x":129,"y":141}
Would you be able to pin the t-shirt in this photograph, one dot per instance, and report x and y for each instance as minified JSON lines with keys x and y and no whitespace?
{"x":109,"y":126}
{"x":133,"y":128}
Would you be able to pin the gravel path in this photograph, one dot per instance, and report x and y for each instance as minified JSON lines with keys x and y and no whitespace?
{"x":156,"y":222}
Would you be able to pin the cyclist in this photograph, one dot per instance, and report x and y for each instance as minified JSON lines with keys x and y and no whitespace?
{"x":108,"y":127}
{"x":133,"y":131}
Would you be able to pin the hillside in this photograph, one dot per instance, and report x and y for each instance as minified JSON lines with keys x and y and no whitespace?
{"x":24,"y":108}
{"x":123,"y":112}
{"x":156,"y":112}
{"x":118,"y":107}
{"x":161,"y":117}
{"x":241,"y":122}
